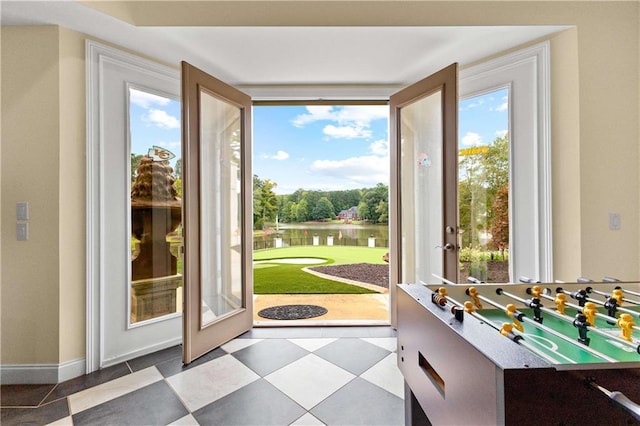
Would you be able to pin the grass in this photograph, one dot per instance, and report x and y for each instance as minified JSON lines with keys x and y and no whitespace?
{"x":338,"y":255}
{"x":284,"y":278}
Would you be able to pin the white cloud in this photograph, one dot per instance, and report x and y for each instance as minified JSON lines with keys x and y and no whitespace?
{"x":504,"y":106}
{"x":352,"y":121}
{"x":161,"y":119}
{"x":280,"y":155}
{"x":346,"y":132}
{"x":365,"y":170}
{"x":380,"y":147}
{"x":145,"y":100}
{"x":471,"y":139}
{"x":501,"y":133}
{"x":314,"y":113}
{"x":472,"y":105}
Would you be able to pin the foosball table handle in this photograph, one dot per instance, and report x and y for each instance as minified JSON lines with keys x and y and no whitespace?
{"x":620,"y":399}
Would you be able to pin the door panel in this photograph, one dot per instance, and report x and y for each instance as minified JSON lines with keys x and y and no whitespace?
{"x":423,"y":131}
{"x":122,"y":334}
{"x":217,"y":225}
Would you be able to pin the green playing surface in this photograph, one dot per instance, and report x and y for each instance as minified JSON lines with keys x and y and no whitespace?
{"x":568,"y":353}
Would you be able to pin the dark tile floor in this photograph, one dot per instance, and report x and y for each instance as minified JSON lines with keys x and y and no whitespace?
{"x":268,"y":376}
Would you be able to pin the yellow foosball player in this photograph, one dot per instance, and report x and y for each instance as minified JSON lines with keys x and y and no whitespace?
{"x":516,"y":316}
{"x":626,"y":324}
{"x":468,"y":307}
{"x":589,"y":310}
{"x":561,"y":302}
{"x":473,"y":293}
{"x":617,"y":294}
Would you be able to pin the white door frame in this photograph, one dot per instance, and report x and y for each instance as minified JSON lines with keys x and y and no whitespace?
{"x":97,"y":55}
{"x":526,"y":73}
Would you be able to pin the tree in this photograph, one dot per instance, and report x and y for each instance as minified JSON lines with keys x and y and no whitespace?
{"x":363,"y":209}
{"x":265,"y":202}
{"x":302,"y":211}
{"x":382,"y":210}
{"x":371,"y":198}
{"x":323,"y":210}
{"x":500,"y":221}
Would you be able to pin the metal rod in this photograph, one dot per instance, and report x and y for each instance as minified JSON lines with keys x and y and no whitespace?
{"x":551,"y":331}
{"x":567,"y":319}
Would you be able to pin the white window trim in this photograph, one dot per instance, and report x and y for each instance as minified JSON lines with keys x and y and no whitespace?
{"x":470,"y":80}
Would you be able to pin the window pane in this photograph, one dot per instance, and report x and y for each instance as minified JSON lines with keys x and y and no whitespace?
{"x":421,"y":134}
{"x":483,"y":188}
{"x":220,"y":208}
{"x":156,"y":206}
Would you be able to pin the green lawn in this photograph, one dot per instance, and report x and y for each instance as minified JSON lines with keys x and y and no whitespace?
{"x":284,"y":278}
{"x":338,"y":255}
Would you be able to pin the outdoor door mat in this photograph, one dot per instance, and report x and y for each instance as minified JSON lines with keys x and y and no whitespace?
{"x":292,"y":312}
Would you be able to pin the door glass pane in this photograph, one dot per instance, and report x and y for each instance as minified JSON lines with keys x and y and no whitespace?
{"x":156,"y":206}
{"x":220,"y":208}
{"x":421,"y":135}
{"x":483,"y":188}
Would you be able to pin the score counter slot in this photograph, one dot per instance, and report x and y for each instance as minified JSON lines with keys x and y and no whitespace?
{"x":431,"y":373}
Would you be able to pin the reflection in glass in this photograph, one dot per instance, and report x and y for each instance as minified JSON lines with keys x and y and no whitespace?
{"x":220,"y":208}
{"x":156,"y":209}
{"x":483,"y":188}
{"x":421,"y":134}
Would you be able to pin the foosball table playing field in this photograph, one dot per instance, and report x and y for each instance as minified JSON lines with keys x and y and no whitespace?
{"x":534,"y":353}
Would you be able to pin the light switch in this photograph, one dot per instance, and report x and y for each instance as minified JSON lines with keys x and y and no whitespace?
{"x":22,"y":231}
{"x":614,"y":221}
{"x":22,"y":210}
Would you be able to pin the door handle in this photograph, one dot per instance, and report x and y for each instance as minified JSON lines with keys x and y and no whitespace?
{"x":447,"y":247}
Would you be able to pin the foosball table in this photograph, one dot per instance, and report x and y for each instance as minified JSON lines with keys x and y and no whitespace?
{"x":563,"y":353}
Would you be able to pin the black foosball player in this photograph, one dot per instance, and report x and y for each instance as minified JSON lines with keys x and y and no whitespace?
{"x":534,"y":303}
{"x":580,"y":296}
{"x":611,"y":305}
{"x":581,"y":324}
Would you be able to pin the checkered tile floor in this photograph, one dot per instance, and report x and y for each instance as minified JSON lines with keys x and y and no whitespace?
{"x":279,"y":376}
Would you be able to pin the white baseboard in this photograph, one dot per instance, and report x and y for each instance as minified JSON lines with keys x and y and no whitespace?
{"x":28,"y":374}
{"x":140,"y":352}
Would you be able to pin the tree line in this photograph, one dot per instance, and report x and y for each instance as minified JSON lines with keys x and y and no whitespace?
{"x":308,"y":205}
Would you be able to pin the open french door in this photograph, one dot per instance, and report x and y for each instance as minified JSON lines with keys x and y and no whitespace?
{"x":423,"y":134}
{"x":218,"y":284}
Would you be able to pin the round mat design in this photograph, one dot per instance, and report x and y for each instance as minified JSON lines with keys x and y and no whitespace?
{"x":292,"y":312}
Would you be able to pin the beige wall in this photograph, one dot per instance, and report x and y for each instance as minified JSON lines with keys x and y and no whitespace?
{"x":565,"y":156}
{"x":30,"y":172}
{"x":72,"y":195}
{"x":43,"y":162}
{"x":595,"y":138}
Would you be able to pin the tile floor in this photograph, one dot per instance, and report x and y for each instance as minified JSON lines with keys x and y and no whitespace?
{"x":268,"y":376}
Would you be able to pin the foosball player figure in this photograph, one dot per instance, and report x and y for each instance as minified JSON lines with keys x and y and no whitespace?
{"x":561,"y":302}
{"x":580,"y":296}
{"x":516,"y":316}
{"x":589,"y":311}
{"x":440,"y":298}
{"x":468,"y":307}
{"x":611,"y":305}
{"x":507,"y":331}
{"x":626,"y":324}
{"x":617,"y":294}
{"x":473,"y":293}
{"x":581,"y":324}
{"x":534,"y":302}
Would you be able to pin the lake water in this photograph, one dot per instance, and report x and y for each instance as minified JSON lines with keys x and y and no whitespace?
{"x":343,"y":234}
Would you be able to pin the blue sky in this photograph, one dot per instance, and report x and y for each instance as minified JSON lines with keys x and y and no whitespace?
{"x":154,"y":121}
{"x":316,"y":147}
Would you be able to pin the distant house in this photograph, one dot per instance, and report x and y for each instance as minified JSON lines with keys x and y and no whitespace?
{"x":349,"y":214}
